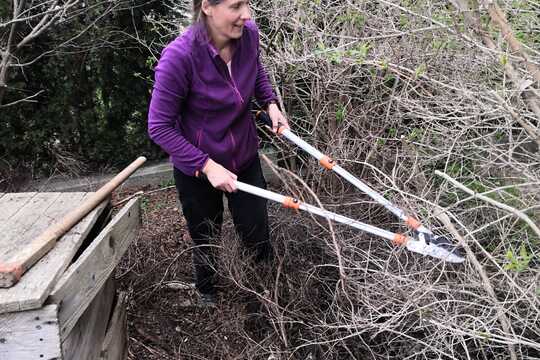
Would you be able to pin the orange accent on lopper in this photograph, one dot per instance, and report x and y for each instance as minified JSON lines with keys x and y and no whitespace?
{"x":281,"y":129}
{"x":327,"y":162}
{"x":291,"y":203}
{"x":399,"y":239}
{"x":412,"y":223}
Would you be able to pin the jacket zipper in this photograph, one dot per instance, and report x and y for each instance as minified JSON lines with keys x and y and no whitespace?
{"x":237,"y":92}
{"x":233,"y":142}
{"x":232,"y":83}
{"x":230,"y":79}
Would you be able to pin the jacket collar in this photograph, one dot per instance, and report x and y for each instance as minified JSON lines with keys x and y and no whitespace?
{"x":203,"y":39}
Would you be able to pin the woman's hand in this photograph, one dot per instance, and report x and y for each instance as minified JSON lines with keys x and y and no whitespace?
{"x":219,"y":177}
{"x":277,"y":117}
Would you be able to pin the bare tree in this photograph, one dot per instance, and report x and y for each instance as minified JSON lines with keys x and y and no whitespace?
{"x":29,"y":20}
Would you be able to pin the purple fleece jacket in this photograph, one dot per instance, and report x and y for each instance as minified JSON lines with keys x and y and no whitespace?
{"x":198,"y":110}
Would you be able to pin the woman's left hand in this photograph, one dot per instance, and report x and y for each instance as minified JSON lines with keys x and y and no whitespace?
{"x":277,"y":118}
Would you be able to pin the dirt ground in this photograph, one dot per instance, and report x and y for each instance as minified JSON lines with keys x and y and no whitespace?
{"x":164,"y":318}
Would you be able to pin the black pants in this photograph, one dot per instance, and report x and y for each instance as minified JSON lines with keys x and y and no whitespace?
{"x":202,"y":205}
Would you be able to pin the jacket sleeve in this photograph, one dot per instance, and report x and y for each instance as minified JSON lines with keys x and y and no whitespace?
{"x":263,"y":88}
{"x":171,"y":86}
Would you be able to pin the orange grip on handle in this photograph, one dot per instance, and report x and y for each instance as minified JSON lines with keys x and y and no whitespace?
{"x":412,"y":223}
{"x":399,"y":239}
{"x":281,"y":129}
{"x":327,"y":162}
{"x":290,"y":203}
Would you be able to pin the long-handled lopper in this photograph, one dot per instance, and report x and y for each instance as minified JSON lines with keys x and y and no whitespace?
{"x":425,"y":242}
{"x":417,"y":246}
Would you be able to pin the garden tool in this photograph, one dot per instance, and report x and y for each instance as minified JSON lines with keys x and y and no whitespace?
{"x":425,"y":241}
{"x":415,"y":245}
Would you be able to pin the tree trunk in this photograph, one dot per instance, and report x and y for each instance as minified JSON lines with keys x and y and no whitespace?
{"x":8,"y":54}
{"x":3,"y":75}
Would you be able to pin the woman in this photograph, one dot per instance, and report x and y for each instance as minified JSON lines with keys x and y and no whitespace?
{"x":200,"y":115}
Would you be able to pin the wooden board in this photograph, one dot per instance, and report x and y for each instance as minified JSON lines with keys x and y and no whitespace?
{"x":36,"y":213}
{"x":30,"y":334}
{"x":11,"y":203}
{"x":21,"y":212}
{"x":38,"y":219}
{"x":86,"y":339}
{"x":115,"y":343}
{"x":80,"y":283}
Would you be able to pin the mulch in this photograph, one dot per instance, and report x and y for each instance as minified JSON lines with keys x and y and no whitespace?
{"x":164,"y":321}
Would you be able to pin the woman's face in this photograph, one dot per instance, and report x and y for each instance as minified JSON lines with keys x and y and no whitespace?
{"x":227,"y":18}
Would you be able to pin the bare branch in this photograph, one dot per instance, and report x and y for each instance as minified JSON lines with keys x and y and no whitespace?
{"x":26,"y":99}
{"x":491,"y":201}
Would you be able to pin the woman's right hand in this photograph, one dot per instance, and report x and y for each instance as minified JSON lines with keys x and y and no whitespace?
{"x":219,"y":177}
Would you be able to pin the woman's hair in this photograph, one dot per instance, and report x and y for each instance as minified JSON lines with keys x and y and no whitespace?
{"x":198,"y":14}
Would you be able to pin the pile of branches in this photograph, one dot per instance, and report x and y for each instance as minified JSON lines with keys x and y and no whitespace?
{"x":436,"y":106}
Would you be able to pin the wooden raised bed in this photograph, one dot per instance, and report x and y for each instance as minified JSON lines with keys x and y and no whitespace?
{"x":66,"y":306}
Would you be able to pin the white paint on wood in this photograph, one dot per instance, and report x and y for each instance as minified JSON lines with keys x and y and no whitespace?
{"x":80,"y":283}
{"x":30,"y":335}
{"x":35,"y":285}
{"x":114,"y":345}
{"x":85,"y":340}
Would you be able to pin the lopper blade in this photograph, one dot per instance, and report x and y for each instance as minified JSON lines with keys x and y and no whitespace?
{"x":421,"y":247}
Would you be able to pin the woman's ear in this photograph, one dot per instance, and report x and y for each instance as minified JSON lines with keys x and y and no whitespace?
{"x":206,"y":8}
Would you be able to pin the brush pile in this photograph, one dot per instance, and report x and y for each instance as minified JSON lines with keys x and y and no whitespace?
{"x":432,"y":106}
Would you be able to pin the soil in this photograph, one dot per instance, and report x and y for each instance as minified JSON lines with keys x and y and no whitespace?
{"x":165,"y":322}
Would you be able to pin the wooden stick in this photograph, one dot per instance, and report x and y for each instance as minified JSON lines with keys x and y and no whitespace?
{"x":12,"y":270}
{"x":123,"y":201}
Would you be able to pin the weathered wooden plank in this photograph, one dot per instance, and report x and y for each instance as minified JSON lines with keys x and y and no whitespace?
{"x":11,"y":271}
{"x":39,"y":280}
{"x":115,"y":342}
{"x":12,"y":203}
{"x":30,"y":335}
{"x":61,"y":206}
{"x":85,"y":340}
{"x":80,"y":283}
{"x":21,"y":237}
{"x":24,"y":217}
